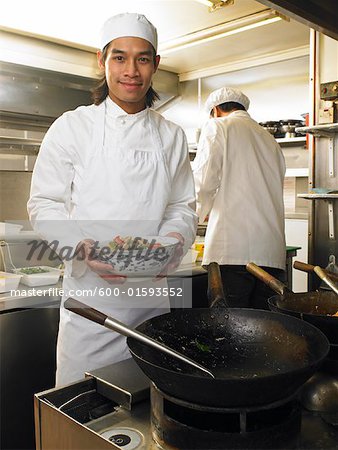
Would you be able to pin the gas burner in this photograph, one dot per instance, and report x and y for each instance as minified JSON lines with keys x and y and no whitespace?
{"x":126,"y":438}
{"x":111,"y":408}
{"x":184,"y":425}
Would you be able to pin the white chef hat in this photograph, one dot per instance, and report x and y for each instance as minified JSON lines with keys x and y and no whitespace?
{"x":128,"y":24}
{"x":226,"y":94}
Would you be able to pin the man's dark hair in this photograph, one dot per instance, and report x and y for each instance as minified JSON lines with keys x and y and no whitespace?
{"x":100,"y":91}
{"x":229,"y":106}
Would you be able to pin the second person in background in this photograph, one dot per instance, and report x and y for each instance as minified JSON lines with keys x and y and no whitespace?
{"x":239,"y":175}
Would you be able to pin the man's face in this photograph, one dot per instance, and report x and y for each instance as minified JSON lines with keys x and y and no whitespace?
{"x":129,"y":68}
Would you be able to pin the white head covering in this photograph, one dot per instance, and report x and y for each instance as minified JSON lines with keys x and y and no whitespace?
{"x":128,"y":24}
{"x":226,"y":94}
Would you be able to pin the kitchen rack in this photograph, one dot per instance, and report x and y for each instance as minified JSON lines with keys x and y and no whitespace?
{"x":325,"y":130}
{"x":310,"y":196}
{"x":328,"y":131}
{"x":291,"y":141}
{"x":329,"y":198}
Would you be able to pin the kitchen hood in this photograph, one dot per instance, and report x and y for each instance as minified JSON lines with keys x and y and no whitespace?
{"x":46,"y":78}
{"x":41,"y":80}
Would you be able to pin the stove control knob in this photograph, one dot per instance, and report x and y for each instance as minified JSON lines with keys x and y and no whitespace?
{"x":120,"y":439}
{"x":124,"y":437}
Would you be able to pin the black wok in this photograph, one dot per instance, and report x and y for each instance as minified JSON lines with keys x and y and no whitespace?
{"x":316,"y":307}
{"x":304,"y":267}
{"x":257,"y":357}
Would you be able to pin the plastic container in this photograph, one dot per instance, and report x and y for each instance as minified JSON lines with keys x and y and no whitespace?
{"x":199,"y":247}
{"x":9,"y":281}
{"x":51,"y":276}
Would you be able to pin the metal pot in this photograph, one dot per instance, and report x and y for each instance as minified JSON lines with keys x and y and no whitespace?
{"x":288,"y":127}
{"x":271,"y":126}
{"x":315,"y":307}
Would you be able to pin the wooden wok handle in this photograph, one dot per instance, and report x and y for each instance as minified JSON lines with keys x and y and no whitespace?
{"x":268,"y":279}
{"x":216,"y":295}
{"x":85,"y":311}
{"x":310,"y":268}
{"x":304,"y":267}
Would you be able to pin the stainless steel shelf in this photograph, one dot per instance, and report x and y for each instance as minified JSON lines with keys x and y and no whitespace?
{"x":297,"y":172}
{"x":318,"y":196}
{"x":326,"y":130}
{"x":289,"y":141}
{"x":20,"y":142}
{"x":330,"y":205}
{"x":330,"y":212}
{"x":329,"y":131}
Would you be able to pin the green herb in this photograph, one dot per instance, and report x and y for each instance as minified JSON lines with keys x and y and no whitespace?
{"x":132,"y":243}
{"x":202,"y":347}
{"x":33,"y":270}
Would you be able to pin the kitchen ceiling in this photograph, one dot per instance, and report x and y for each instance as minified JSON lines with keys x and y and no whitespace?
{"x":77,"y":23}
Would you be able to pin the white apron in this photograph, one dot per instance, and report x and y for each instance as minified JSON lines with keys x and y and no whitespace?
{"x":82,"y":344}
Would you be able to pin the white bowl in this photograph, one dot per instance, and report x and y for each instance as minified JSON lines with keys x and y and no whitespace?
{"x":9,"y":281}
{"x":147,"y":262}
{"x":51,"y":276}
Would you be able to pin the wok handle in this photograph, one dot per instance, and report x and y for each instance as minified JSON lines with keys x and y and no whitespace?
{"x":85,"y":311}
{"x":304,"y":267}
{"x":323,"y":276}
{"x":216,"y":295}
{"x":109,"y":322}
{"x":96,"y":316}
{"x":310,"y":268}
{"x":268,"y":279}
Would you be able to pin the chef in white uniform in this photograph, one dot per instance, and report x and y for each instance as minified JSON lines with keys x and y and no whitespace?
{"x":112,"y":168}
{"x":239,"y":173}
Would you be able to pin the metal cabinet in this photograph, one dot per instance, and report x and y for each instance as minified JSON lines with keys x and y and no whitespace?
{"x":27,"y":364}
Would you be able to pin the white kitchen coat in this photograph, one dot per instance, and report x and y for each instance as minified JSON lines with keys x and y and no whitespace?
{"x":239,"y":173}
{"x":100,"y":173}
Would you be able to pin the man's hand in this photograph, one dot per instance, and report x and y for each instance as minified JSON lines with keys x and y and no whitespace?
{"x":87,"y":252}
{"x":176,"y":258}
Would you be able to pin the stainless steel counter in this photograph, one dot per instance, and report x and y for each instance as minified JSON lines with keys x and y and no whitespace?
{"x":29,"y":297}
{"x":48,"y":296}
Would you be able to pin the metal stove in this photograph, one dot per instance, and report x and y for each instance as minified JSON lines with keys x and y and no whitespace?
{"x":186,"y":425}
{"x":116,"y":407}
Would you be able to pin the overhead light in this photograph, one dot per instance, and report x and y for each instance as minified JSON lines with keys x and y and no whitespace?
{"x":205,"y":2}
{"x":220,"y":31}
{"x":215,"y":4}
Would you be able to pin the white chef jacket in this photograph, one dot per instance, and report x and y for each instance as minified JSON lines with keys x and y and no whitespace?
{"x":239,"y":173}
{"x":102,"y":172}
